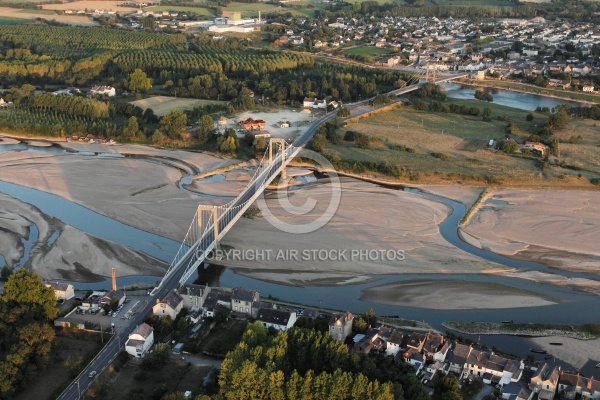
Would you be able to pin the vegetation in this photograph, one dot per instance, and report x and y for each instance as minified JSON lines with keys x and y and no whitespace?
{"x":587,"y":331}
{"x":26,"y":337}
{"x":308,"y":364}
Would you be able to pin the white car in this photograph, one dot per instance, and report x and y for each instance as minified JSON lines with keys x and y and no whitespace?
{"x":92,"y":374}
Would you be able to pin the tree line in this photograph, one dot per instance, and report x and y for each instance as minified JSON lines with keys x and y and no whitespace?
{"x":307,"y":364}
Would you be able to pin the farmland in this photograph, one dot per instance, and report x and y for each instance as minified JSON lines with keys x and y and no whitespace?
{"x":162,"y":105}
{"x":441,"y":147}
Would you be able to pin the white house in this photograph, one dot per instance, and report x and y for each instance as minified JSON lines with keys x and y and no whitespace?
{"x":103,"y":90}
{"x":140,"y":340}
{"x":310,"y":102}
{"x":340,"y":325}
{"x":193,"y":296}
{"x":244,"y":301}
{"x":171,"y":305}
{"x":393,"y":343}
{"x":62,"y":291}
{"x":278,"y":319}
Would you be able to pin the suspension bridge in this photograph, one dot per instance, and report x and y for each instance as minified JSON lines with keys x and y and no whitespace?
{"x":210,"y":223}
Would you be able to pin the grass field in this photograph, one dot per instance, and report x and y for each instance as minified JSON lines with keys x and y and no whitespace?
{"x":161,"y":105}
{"x":463,"y":142}
{"x":367,"y":51}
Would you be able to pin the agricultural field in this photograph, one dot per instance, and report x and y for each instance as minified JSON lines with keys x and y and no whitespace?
{"x":29,"y":14}
{"x":90,"y":5}
{"x":451,"y":147}
{"x":161,"y":105}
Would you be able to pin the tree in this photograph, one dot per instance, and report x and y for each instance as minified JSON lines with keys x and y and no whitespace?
{"x":205,"y":126}
{"x":158,"y":138}
{"x":510,"y":146}
{"x":114,"y":303}
{"x":260,"y":144}
{"x":343,"y":112}
{"x":487,"y":113}
{"x":139,"y":81}
{"x":29,"y":290}
{"x":5,"y":273}
{"x":173,"y":122}
{"x":132,"y":129}
{"x":362,"y":141}
{"x":529,"y":117}
{"x":73,"y":364}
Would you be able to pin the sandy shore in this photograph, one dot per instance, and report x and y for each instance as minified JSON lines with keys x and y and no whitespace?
{"x":558,"y":228}
{"x":454,"y":295}
{"x":573,"y":351}
{"x":72,"y":254}
{"x":369,"y":218}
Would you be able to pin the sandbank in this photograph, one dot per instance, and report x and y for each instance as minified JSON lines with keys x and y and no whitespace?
{"x":559,"y":228}
{"x":573,"y":351}
{"x":454,"y":295}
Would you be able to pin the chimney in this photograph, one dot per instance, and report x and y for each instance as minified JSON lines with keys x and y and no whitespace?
{"x":114,"y":280}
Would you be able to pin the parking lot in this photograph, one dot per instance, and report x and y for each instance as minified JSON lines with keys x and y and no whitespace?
{"x":100,"y":319}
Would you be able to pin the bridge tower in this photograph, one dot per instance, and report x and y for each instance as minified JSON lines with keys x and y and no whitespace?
{"x":215,"y":218}
{"x":433,"y":77}
{"x":282,"y":143}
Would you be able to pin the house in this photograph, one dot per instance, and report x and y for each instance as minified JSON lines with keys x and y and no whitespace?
{"x":193,"y":296}
{"x":310,"y":102}
{"x":416,"y":341}
{"x":113,"y":294}
{"x":590,"y":388}
{"x":253,"y":124}
{"x":588,"y":88}
{"x":278,"y":319}
{"x":170,"y":306}
{"x":140,"y":340}
{"x":62,"y":291}
{"x":102,"y":90}
{"x":536,"y":147}
{"x":433,"y":343}
{"x":245,"y":301}
{"x":340,"y":325}
{"x":514,"y":391}
{"x":568,"y":385}
{"x":544,"y":381}
{"x":394,"y":342}
{"x":216,"y":301}
{"x":284,"y":124}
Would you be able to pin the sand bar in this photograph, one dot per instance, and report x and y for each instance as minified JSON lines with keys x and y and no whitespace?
{"x":454,"y":295}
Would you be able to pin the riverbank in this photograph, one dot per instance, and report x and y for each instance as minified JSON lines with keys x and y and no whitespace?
{"x":520,"y":329}
{"x":584,"y":98}
{"x":556,"y":228}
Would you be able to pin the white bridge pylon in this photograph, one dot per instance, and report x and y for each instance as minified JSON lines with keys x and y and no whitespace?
{"x":210,"y":223}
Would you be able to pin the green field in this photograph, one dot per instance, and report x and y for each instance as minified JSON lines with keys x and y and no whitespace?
{"x":36,"y":11}
{"x":460,"y":143}
{"x":13,"y":21}
{"x":367,"y":51}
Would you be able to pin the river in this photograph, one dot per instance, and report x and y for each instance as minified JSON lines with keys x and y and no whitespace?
{"x":509,"y":98}
{"x":573,"y":309}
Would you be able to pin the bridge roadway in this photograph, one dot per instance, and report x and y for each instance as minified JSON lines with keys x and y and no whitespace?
{"x":117,"y":342}
{"x":204,"y":246}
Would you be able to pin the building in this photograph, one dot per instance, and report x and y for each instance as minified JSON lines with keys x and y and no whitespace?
{"x":544,"y":381}
{"x":253,"y":124}
{"x":340,"y":325}
{"x":278,"y":319}
{"x":170,"y":306}
{"x":140,"y":340}
{"x":193,"y":296}
{"x":244,"y":301}
{"x":588,"y":88}
{"x":62,"y":291}
{"x":102,"y":91}
{"x":536,"y":147}
{"x":310,"y":102}
{"x":113,"y":294}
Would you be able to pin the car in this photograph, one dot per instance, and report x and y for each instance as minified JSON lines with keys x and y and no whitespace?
{"x":60,"y":301}
{"x":92,"y":374}
{"x":79,"y":298}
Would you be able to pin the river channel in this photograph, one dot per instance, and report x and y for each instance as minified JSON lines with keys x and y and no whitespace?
{"x":574,"y":306}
